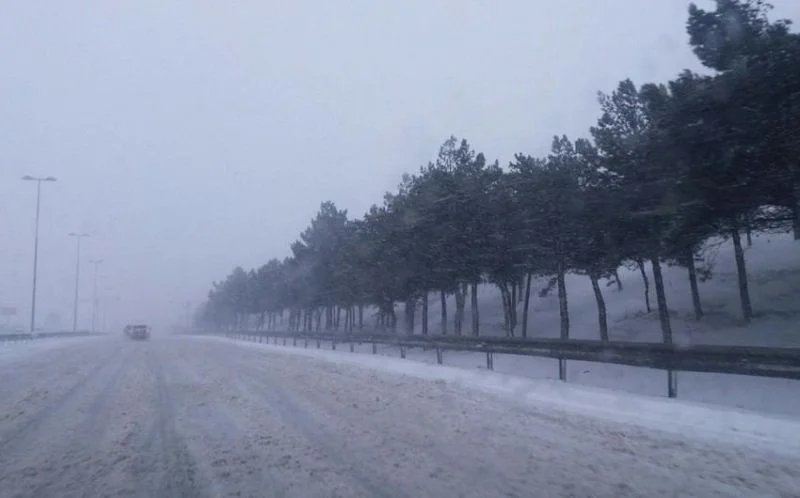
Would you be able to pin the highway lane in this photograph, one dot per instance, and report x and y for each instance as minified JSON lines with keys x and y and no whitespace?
{"x":193,"y":417}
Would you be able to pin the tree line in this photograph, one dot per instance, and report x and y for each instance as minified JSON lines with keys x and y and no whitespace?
{"x":666,"y":168}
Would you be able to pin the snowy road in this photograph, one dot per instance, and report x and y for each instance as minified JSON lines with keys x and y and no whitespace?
{"x":194,"y":417}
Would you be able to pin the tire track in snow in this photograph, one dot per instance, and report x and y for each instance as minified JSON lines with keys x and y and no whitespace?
{"x":179,"y":477}
{"x":80,"y":453}
{"x":11,"y":439}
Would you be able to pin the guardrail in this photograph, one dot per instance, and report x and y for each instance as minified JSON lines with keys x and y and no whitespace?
{"x":781,"y":363}
{"x":43,"y":335}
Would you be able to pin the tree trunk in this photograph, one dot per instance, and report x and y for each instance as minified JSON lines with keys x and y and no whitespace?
{"x":443,"y":296}
{"x":526,"y":305}
{"x":319,"y":320}
{"x":474,"y":309}
{"x":461,"y":298}
{"x":360,"y":316}
{"x":514,"y":296}
{"x":661,"y":298}
{"x":741,"y":271}
{"x":690,"y":265}
{"x":619,"y":280}
{"x":410,"y":312}
{"x":352,"y":318}
{"x":601,"y":307}
{"x":511,"y":311}
{"x":640,"y":264}
{"x":562,"y":300}
{"x":796,"y":210}
{"x":425,"y":313}
{"x":505,"y":298}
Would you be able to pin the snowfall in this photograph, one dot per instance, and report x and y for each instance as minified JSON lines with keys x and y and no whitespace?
{"x":410,"y":427}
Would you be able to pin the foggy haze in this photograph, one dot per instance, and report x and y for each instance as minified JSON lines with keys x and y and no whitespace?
{"x":189,"y":137}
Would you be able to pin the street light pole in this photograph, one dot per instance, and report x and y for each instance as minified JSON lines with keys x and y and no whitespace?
{"x":38,"y":181}
{"x":78,"y":236}
{"x":96,"y":263}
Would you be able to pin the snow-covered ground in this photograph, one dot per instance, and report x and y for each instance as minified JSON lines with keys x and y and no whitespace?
{"x":206,"y":417}
{"x":773,"y":267}
{"x":698,"y":420}
{"x":19,"y":350}
{"x":778,"y":396}
{"x":773,"y":264}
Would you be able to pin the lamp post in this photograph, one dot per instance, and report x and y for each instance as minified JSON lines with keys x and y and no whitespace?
{"x":96,"y":263}
{"x":38,"y":181}
{"x":78,"y":237}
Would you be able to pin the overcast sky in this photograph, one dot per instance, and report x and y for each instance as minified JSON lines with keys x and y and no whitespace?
{"x":192,"y":136}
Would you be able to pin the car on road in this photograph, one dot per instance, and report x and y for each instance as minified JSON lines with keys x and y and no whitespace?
{"x":137,"y":332}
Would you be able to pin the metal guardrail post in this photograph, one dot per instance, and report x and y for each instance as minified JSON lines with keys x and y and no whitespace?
{"x":333,"y":345}
{"x":672,"y":383}
{"x":740,"y":360}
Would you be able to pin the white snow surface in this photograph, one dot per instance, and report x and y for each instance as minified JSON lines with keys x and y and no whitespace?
{"x":11,"y":351}
{"x":683,"y":418}
{"x":773,"y":266}
{"x":205,"y":417}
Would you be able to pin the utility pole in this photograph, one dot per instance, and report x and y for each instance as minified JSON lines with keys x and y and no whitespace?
{"x":96,"y":263}
{"x":78,"y":237}
{"x":38,"y":181}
